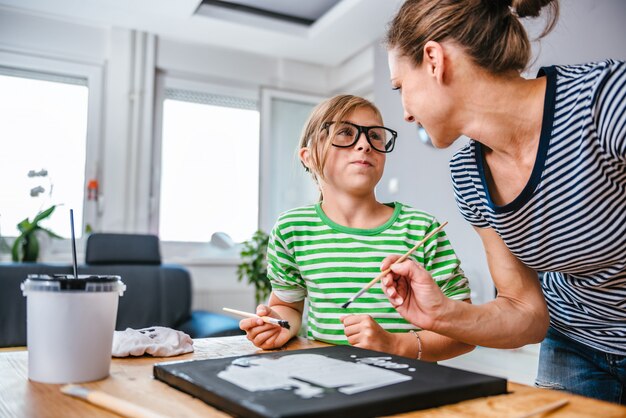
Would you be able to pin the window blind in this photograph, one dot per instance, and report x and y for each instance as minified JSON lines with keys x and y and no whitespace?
{"x":211,"y":99}
{"x":43,"y":76}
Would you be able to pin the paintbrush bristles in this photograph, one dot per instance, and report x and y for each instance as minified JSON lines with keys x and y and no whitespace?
{"x":388,"y":270}
{"x":284,"y":324}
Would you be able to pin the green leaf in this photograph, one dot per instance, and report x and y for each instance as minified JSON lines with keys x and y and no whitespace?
{"x":25,"y":226}
{"x":253,"y":266}
{"x":26,"y":246}
{"x":50,"y":233}
{"x":44,"y":214}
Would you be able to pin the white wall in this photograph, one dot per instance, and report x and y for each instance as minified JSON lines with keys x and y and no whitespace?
{"x":587,"y":30}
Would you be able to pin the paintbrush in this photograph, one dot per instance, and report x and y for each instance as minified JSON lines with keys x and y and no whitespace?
{"x":546,"y":408}
{"x":388,"y":270}
{"x":104,"y":400}
{"x":267,"y":319}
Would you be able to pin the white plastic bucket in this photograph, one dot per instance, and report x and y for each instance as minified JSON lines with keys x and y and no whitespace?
{"x":70,"y":324}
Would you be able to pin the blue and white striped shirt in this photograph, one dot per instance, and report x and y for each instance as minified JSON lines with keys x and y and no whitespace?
{"x":569,"y":221}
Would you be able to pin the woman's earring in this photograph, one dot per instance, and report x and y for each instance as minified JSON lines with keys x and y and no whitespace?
{"x":423,"y":136}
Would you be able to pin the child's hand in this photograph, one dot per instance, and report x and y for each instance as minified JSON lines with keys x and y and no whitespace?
{"x":362,"y":331}
{"x":265,"y":336}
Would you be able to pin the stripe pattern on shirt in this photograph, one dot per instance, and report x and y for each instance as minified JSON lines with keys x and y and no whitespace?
{"x":570,"y":220}
{"x":310,"y":256}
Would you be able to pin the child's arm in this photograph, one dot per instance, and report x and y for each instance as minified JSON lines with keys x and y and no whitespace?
{"x":270,"y":336}
{"x":364,"y":332}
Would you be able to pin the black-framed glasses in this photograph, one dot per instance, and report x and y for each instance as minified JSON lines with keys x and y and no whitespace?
{"x":346,"y":134}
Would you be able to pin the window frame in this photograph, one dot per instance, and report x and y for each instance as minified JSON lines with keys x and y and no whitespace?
{"x":94,"y":75}
{"x":267,"y":211}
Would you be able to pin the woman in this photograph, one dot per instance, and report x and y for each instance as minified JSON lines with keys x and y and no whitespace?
{"x":543,"y":181}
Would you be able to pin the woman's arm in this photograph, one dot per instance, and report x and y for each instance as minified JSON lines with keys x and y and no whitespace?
{"x":436,"y":347}
{"x":517,"y":316}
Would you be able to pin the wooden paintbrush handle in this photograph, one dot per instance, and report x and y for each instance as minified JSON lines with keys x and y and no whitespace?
{"x":120,"y":406}
{"x":545,"y":408}
{"x":404,"y":256}
{"x":241,"y":313}
{"x":266,"y":319}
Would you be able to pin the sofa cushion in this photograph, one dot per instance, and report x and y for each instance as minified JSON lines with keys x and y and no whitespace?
{"x":203,"y":324}
{"x":123,"y":249}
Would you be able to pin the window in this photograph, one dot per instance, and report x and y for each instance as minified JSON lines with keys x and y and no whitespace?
{"x":209,"y":166}
{"x":284,"y":182}
{"x":43,"y":126}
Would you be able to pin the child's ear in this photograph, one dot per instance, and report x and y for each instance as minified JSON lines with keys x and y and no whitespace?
{"x":305,"y":158}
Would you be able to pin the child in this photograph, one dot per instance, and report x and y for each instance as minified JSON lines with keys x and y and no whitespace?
{"x":329,"y":251}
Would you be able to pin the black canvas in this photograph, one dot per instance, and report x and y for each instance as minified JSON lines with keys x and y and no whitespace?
{"x":431,"y":385}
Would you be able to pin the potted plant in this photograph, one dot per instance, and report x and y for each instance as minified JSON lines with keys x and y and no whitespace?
{"x":254,"y":265}
{"x":26,"y":245}
{"x":4,"y":246}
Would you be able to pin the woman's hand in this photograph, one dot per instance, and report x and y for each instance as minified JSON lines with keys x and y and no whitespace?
{"x":413,"y":292}
{"x":263,"y":335}
{"x":362,"y":331}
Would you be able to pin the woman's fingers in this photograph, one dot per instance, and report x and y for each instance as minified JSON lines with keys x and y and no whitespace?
{"x":389,"y":260}
{"x":389,"y":285}
{"x":395,"y":299}
{"x":411,"y":270}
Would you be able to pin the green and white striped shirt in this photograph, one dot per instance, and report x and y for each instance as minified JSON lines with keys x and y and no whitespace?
{"x":310,"y":255}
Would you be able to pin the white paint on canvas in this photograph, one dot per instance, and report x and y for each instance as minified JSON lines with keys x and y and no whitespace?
{"x":309,"y":374}
{"x":384,"y":362}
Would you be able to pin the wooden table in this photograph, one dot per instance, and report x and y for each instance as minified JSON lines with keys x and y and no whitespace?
{"x":131,"y":379}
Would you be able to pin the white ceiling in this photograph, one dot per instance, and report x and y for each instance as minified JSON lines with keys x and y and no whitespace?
{"x":347,"y":28}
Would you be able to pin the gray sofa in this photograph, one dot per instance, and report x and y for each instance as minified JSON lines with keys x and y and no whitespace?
{"x":156,"y":294}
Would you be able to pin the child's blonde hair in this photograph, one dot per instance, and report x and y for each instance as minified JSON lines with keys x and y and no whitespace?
{"x":314,"y":134}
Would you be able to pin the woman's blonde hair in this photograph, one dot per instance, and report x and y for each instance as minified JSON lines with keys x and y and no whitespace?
{"x":315,"y":133}
{"x":489,"y":30}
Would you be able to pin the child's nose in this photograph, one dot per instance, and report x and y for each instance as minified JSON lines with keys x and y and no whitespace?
{"x":362,"y":142}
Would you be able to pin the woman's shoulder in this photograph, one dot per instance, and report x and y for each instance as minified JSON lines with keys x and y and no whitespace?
{"x":464,"y":155}
{"x":464,"y":162}
{"x":593,"y":74}
{"x":576,"y":70}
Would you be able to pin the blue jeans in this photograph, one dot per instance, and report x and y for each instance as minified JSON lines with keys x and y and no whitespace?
{"x":565,"y":364}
